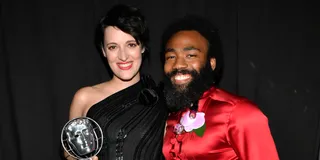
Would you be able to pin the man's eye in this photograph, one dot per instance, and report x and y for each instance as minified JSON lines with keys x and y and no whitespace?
{"x":132,"y":45}
{"x":191,"y":55}
{"x":170,"y":57}
{"x":76,"y":135}
{"x":86,"y":131}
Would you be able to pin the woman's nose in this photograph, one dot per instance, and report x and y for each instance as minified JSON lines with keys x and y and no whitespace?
{"x":122,"y":55}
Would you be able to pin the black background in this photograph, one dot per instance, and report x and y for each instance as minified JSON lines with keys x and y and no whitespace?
{"x":47,"y":53}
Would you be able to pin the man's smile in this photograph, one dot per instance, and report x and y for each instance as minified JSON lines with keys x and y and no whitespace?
{"x":181,"y":78}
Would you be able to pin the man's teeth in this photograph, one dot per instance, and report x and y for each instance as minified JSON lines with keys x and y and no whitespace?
{"x":181,"y":77}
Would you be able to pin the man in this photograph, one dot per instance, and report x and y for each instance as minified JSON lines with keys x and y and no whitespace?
{"x":207,"y":122}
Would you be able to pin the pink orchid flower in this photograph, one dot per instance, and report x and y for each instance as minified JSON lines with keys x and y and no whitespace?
{"x":192,"y":123}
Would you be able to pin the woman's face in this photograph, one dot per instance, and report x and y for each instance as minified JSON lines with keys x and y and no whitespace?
{"x":123,"y":53}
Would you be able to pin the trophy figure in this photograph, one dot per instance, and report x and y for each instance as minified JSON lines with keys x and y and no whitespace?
{"x":82,"y":138}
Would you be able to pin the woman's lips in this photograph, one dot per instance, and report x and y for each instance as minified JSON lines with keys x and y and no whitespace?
{"x":125,"y":66}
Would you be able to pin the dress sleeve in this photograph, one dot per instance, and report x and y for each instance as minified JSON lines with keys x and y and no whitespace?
{"x":249,"y":133}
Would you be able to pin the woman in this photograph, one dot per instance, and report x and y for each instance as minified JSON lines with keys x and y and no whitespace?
{"x":127,"y":107}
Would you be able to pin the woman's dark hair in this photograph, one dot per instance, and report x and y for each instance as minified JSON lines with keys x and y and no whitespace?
{"x":129,"y":20}
{"x":207,"y":30}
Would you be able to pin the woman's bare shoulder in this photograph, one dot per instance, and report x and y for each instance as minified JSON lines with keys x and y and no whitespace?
{"x":86,"y":97}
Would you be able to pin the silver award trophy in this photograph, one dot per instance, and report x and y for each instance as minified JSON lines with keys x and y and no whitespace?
{"x":82,"y":138}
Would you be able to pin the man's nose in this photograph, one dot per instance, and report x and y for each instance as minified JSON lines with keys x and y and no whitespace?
{"x":180,"y":63}
{"x":83,"y":139}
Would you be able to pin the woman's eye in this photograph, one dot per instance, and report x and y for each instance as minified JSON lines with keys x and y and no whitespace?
{"x":132,"y":45}
{"x":111,"y":47}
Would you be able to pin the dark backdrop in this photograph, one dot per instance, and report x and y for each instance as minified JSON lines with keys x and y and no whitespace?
{"x":47,"y":53}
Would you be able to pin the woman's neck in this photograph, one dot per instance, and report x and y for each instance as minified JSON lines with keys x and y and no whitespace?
{"x":122,"y":84}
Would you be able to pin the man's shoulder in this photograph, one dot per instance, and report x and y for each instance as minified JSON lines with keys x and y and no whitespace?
{"x":234,"y":101}
{"x":218,"y":94}
{"x":239,"y":104}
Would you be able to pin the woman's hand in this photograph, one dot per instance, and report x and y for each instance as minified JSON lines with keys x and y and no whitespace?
{"x":68,"y":157}
{"x":95,"y":158}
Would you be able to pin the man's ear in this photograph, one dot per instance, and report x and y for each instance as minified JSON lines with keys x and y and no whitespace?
{"x":213,"y":63}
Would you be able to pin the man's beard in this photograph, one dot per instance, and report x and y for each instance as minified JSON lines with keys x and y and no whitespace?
{"x":179,"y":97}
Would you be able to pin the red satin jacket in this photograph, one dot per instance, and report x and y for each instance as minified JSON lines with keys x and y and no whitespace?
{"x":235,"y":130}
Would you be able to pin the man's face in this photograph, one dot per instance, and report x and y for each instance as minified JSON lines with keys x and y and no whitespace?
{"x":186,"y":52}
{"x":80,"y":136}
{"x":188,"y":71}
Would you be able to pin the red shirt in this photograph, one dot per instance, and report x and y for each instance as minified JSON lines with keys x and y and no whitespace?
{"x":235,"y":129}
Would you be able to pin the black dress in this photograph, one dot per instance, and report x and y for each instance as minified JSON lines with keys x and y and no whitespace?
{"x":132,"y":121}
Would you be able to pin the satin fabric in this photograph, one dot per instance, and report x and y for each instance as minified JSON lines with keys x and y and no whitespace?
{"x":235,"y":130}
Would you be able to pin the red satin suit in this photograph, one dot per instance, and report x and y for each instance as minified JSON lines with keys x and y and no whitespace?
{"x":235,"y":130}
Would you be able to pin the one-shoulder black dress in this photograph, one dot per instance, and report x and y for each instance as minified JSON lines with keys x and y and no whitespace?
{"x":132,"y":121}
